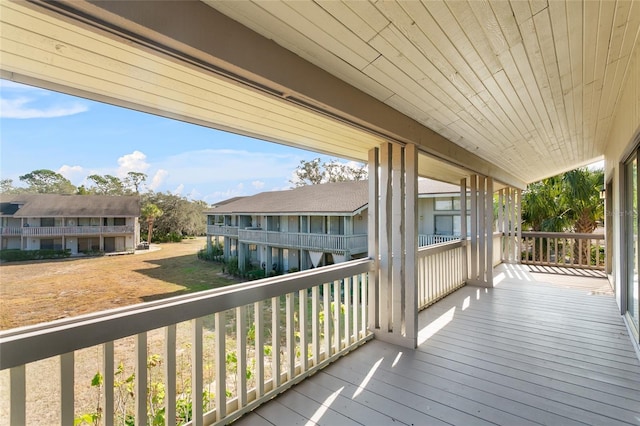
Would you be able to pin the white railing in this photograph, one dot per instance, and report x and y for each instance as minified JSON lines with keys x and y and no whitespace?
{"x":442,"y":269}
{"x":429,"y":239}
{"x":15,"y":231}
{"x":564,"y":249}
{"x":222,"y":230}
{"x":202,"y":358}
{"x":54,"y":231}
{"x":324,"y":242}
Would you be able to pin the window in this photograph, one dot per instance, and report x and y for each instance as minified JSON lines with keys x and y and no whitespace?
{"x":444,"y":225}
{"x":119,"y":221}
{"x":444,"y":203}
{"x":47,"y":221}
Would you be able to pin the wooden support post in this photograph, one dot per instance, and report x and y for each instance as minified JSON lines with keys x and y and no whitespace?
{"x":411,"y":244}
{"x":474,"y":227}
{"x":489,"y":231}
{"x":373,"y":228}
{"x":397,"y":238}
{"x":482,"y":231}
{"x":385,"y":238}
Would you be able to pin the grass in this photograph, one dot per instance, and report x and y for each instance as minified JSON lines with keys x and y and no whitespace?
{"x":41,"y":291}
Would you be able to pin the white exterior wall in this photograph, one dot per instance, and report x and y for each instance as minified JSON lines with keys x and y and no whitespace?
{"x":625,"y":132}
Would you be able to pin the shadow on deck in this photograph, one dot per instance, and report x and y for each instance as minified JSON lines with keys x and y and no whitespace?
{"x":530,"y":351}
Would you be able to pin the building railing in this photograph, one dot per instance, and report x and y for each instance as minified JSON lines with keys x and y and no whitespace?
{"x":58,"y":231}
{"x":321,"y":242}
{"x":234,"y":347}
{"x":222,"y":230}
{"x":564,"y":249}
{"x":11,"y":231}
{"x":428,"y":239}
{"x":442,"y":269}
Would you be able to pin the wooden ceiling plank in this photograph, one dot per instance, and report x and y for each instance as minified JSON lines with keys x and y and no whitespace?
{"x":604,"y":31}
{"x":452,"y":36}
{"x":332,"y":36}
{"x":575,"y":31}
{"x":391,"y":43}
{"x":521,"y":11}
{"x":412,"y":63}
{"x":540,"y":80}
{"x":451,"y":64}
{"x":369,"y":13}
{"x":505,"y":16}
{"x":487,"y":20}
{"x":268,"y":25}
{"x":341,"y":11}
{"x":546,"y":41}
{"x":387,"y":72}
{"x":622,"y":33}
{"x":523,"y":66}
{"x":559,"y":27}
{"x":473,"y":34}
{"x":515,"y":78}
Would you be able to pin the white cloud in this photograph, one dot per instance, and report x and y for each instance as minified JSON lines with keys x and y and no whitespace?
{"x":230,"y":192}
{"x":257,"y":184}
{"x":158,"y":179}
{"x":178,"y":190}
{"x":20,"y":108}
{"x":73,"y":173}
{"x":134,"y":162}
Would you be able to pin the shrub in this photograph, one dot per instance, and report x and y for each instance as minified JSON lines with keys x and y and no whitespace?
{"x":15,"y":255}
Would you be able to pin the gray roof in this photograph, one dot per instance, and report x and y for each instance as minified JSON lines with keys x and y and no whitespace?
{"x":55,"y":205}
{"x":434,"y":187}
{"x":338,"y":198}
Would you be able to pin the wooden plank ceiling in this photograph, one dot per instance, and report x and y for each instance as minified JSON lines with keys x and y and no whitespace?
{"x":527,"y":89}
{"x":529,"y":86}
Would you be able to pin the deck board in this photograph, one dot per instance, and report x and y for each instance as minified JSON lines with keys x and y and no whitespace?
{"x":525,"y":352}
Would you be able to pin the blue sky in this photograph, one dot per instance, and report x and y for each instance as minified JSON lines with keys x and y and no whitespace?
{"x":75,"y":137}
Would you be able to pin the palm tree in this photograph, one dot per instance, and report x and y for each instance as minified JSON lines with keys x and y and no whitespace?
{"x":565,"y":203}
{"x":151,"y":212}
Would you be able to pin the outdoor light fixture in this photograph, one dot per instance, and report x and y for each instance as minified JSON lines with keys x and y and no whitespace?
{"x":603,"y":193}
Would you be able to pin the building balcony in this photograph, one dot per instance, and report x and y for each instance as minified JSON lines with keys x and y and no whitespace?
{"x":58,"y":231}
{"x":222,"y":230}
{"x":339,"y":244}
{"x":533,"y":349}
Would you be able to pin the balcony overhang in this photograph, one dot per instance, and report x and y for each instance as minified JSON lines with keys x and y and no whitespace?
{"x":161,"y":60}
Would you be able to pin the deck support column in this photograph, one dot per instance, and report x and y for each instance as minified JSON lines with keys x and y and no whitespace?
{"x":481,"y":256}
{"x":393,"y":243}
{"x":509,"y":212}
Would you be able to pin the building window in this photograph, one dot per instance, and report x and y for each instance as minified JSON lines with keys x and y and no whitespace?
{"x":444,"y":203}
{"x":47,"y":221}
{"x":119,"y":221}
{"x":444,"y":225}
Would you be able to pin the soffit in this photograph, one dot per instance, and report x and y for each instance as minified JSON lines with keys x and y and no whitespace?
{"x":88,"y":52}
{"x":528,"y":86}
{"x":43,"y":50}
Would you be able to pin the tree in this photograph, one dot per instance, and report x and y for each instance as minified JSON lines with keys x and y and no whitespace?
{"x":181,"y":216}
{"x":45,"y":181}
{"x":150,"y":212}
{"x":6,"y":187}
{"x":314,"y":172}
{"x":134,"y":180}
{"x":566,"y":203}
{"x":107,"y":185}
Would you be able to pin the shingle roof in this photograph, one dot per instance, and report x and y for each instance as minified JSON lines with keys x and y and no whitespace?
{"x":54,"y":205}
{"x":341,"y":197}
{"x":430,"y":186}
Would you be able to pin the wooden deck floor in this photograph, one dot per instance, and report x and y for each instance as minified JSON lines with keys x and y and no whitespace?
{"x":526,"y":352}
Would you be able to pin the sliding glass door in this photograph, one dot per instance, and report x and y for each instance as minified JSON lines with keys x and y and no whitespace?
{"x":630,"y":291}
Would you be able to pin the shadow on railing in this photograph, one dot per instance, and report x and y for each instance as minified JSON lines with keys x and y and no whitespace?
{"x":442,"y":269}
{"x":209,"y":356}
{"x":563,"y":249}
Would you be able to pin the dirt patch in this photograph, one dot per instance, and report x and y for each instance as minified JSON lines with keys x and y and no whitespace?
{"x":42,"y":291}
